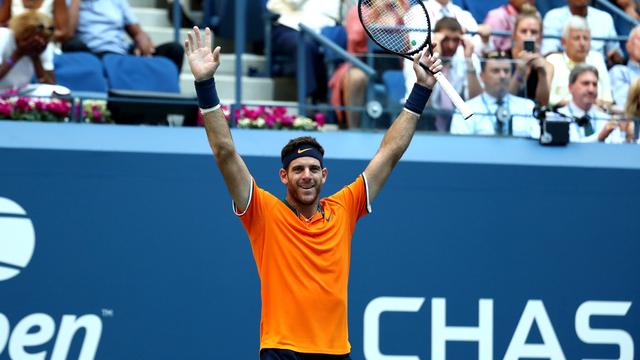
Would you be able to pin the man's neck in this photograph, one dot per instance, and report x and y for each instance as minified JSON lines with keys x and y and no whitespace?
{"x":498,"y":95}
{"x":443,"y":2}
{"x":584,"y":107}
{"x":308,"y":211}
{"x":579,"y":10}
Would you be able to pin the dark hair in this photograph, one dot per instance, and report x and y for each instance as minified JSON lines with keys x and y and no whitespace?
{"x":493,"y":55}
{"x":296,"y":143}
{"x":581,"y":69}
{"x":448,"y":23}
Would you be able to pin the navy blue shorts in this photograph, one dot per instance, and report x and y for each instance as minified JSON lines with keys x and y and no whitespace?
{"x":282,"y":354}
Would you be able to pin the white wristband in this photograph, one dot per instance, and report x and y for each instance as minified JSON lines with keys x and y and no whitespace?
{"x":208,"y":110}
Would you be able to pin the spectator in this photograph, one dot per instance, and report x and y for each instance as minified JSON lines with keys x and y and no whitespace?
{"x":348,"y":83}
{"x":503,"y":18}
{"x":591,"y":124}
{"x":576,"y":40}
{"x":446,"y":8}
{"x":315,"y":14}
{"x":26,"y":50}
{"x":600,"y":23}
{"x":632,"y":110}
{"x":496,"y":111}
{"x":99,"y":26}
{"x":622,"y":75}
{"x":460,"y":66}
{"x":630,"y":7}
{"x":533,"y":73}
{"x":56,"y":9}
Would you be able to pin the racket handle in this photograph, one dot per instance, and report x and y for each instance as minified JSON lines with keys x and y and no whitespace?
{"x":453,"y":95}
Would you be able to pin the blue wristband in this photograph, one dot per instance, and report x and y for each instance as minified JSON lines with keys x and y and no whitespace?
{"x":207,"y":94}
{"x":418,"y":98}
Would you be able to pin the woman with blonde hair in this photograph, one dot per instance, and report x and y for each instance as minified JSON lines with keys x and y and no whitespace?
{"x":25,"y":50}
{"x":533,"y":73}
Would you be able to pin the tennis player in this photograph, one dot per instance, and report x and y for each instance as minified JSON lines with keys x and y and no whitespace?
{"x":302,"y":243}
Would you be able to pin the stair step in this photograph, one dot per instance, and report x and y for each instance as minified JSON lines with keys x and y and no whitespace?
{"x":143,"y":3}
{"x":152,"y":17}
{"x":254,"y":88}
{"x":160,"y":35}
{"x":228,"y":64}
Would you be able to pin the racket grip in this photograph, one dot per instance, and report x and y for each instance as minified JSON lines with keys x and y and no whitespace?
{"x":453,"y":95}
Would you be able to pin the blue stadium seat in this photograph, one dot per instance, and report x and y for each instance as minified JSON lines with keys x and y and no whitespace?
{"x":129,"y":72}
{"x":394,"y":82}
{"x":80,"y":71}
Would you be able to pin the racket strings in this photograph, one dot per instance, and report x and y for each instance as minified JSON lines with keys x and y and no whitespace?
{"x":399,"y":26}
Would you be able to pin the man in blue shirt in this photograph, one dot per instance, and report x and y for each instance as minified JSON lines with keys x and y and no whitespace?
{"x":621,"y":76}
{"x":101,"y":26}
{"x":496,"y":111}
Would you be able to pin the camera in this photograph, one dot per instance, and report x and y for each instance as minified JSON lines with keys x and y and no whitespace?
{"x":529,"y":46}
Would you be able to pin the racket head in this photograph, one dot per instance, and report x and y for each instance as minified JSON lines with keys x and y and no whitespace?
{"x":402,"y":27}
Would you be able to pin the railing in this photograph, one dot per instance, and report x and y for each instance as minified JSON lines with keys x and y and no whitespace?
{"x":343,"y":54}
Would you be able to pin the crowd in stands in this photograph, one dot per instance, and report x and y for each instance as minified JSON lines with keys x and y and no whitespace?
{"x":37,"y":29}
{"x":561,"y":58}
{"x":504,"y":77}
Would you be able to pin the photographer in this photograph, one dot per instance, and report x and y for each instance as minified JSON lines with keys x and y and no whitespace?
{"x":532,"y":72}
{"x":26,"y":50}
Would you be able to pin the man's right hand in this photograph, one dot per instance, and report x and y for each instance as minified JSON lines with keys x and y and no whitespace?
{"x":202,"y":61}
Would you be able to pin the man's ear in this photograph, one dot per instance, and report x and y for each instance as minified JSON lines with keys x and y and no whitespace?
{"x":283,"y":176}
{"x":324,"y":175}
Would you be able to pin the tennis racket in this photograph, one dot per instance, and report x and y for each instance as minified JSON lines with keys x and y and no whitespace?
{"x":403,"y":27}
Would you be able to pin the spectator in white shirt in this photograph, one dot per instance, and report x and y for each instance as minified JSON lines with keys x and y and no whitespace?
{"x":459,"y":65}
{"x":576,"y":40}
{"x":600,"y":23}
{"x":446,"y":8}
{"x":496,"y":112}
{"x":315,"y":14}
{"x":26,"y":50}
{"x":622,"y":75}
{"x":590,"y":123}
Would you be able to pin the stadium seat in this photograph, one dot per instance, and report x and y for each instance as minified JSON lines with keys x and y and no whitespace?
{"x":128,"y":72}
{"x":80,"y":71}
{"x":394,"y":82}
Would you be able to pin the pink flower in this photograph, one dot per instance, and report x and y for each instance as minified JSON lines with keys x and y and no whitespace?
{"x":6,"y":109}
{"x":287,"y":120}
{"x":320,"y":119}
{"x":22,"y":104}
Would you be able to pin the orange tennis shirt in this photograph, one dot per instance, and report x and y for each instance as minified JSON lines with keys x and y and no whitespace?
{"x":304,"y":268}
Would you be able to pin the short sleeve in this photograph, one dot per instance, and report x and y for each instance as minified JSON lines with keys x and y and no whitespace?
{"x":127,"y":14}
{"x":354,"y":198}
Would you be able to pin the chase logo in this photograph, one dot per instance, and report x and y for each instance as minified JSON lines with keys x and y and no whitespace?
{"x":17,"y":239}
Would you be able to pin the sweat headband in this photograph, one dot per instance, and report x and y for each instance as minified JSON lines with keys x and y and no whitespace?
{"x":301,"y":151}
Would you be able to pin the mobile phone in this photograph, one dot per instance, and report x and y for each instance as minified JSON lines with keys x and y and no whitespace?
{"x":529,"y":46}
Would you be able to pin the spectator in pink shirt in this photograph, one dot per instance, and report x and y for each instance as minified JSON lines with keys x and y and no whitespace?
{"x":504,"y":19}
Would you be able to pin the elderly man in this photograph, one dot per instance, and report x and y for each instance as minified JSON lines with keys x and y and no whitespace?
{"x":623,"y":75}
{"x":576,"y":40}
{"x":496,"y":111}
{"x":590,"y":123}
{"x":460,"y":66}
{"x":600,"y":23}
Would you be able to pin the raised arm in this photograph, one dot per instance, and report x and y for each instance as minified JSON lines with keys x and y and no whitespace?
{"x":204,"y":63}
{"x":397,"y":138}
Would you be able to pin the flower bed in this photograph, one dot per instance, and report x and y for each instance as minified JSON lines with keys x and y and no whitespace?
{"x":267,"y":117}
